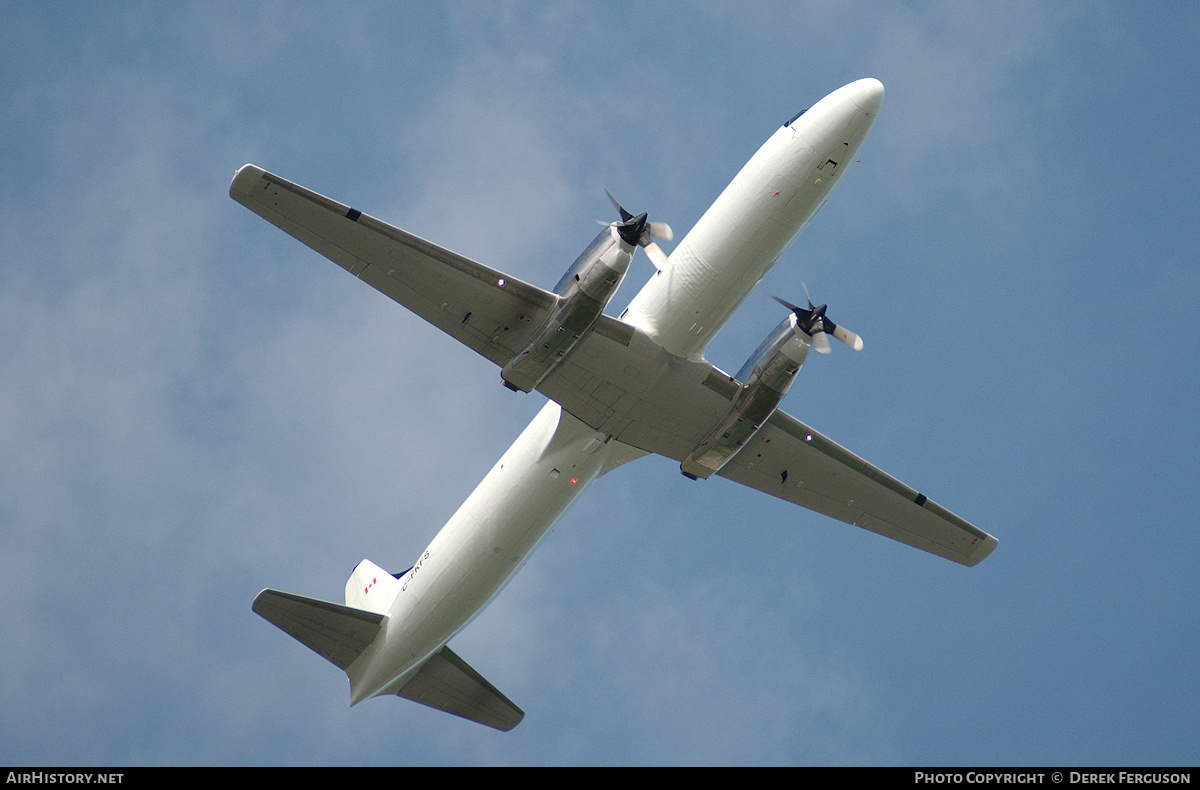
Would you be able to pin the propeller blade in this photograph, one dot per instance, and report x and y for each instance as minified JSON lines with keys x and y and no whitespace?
{"x":657,"y":256}
{"x":821,"y":342}
{"x":661,"y":230}
{"x":788,"y":304}
{"x":848,"y":337}
{"x":804,"y":285}
{"x":625,"y":215}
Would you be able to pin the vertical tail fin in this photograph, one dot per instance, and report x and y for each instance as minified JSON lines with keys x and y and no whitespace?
{"x":371,"y":588}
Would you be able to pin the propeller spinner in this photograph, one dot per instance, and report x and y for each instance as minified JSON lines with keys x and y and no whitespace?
{"x":816,"y":325}
{"x":639,"y":232}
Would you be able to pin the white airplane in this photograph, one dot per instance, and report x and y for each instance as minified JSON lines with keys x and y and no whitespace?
{"x":619,"y":389}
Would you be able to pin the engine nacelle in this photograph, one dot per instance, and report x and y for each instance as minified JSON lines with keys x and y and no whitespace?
{"x":766,"y":377}
{"x":583,"y":293}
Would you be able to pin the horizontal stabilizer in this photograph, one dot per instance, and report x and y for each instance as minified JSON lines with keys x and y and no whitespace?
{"x":338,"y":633}
{"x":448,"y":683}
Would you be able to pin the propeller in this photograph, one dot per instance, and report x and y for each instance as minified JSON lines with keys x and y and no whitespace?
{"x":639,"y":232}
{"x":815,"y":324}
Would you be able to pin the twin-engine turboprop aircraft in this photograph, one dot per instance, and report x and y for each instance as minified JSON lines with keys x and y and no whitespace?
{"x":619,"y":388}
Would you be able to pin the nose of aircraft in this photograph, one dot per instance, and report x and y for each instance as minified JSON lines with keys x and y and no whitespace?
{"x":867,"y":94}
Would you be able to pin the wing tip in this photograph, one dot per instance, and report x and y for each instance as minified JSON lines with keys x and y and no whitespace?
{"x":246,"y":176}
{"x":982,"y":551}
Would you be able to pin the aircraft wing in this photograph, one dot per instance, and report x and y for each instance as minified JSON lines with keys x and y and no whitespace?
{"x":622,"y":384}
{"x":488,"y":311}
{"x":789,"y":460}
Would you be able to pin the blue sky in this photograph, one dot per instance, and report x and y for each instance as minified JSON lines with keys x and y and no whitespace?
{"x":193,"y":406}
